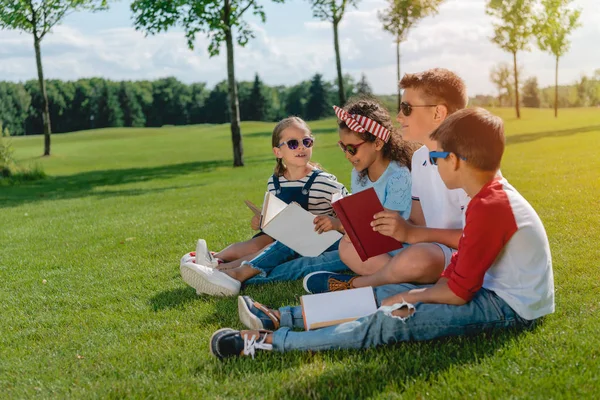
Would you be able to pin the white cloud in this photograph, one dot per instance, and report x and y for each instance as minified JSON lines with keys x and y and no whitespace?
{"x":457,"y":38}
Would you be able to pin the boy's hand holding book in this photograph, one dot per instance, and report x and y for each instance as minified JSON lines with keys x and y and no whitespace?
{"x":325,"y":223}
{"x":390,"y":223}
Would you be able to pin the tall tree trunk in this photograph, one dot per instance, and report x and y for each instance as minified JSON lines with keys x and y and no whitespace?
{"x":516,"y":85}
{"x":398,"y":72}
{"x":234,"y":106}
{"x":556,"y":90}
{"x":45,"y":106}
{"x":338,"y":63}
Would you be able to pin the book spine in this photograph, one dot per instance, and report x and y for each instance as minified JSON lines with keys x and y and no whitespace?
{"x":339,"y":210}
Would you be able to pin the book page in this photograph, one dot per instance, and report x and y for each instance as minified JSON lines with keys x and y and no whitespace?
{"x":326,"y":309}
{"x":295,"y":228}
{"x":271,"y":207}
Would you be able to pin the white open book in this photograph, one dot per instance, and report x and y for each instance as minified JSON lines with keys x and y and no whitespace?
{"x":334,"y":308}
{"x":293,"y":226}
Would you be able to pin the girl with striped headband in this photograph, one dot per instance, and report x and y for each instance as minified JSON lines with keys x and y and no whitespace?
{"x":381,"y":160}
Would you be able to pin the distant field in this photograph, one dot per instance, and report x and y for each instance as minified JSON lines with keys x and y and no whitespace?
{"x":113,"y":319}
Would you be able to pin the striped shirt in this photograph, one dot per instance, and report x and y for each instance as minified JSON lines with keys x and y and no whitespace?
{"x":320,"y":193}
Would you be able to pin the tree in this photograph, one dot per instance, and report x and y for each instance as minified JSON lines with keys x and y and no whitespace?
{"x":196,"y":110}
{"x":296,"y":99}
{"x":363,"y":87}
{"x":333,"y":11}
{"x":512,"y":31}
{"x":399,"y":17}
{"x":38,"y":17}
{"x":14,"y":108}
{"x":317,"y":105}
{"x":531,"y":93}
{"x":216,"y":109}
{"x":258,"y":101}
{"x":552,"y":26}
{"x":500,"y":76}
{"x":216,"y":19}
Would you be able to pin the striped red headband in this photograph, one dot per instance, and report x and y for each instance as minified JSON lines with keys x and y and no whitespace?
{"x":361,"y":124}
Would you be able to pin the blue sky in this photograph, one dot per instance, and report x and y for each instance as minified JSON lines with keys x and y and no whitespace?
{"x":291,"y":46}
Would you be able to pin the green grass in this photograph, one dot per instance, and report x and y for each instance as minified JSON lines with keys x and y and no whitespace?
{"x":92,"y":304}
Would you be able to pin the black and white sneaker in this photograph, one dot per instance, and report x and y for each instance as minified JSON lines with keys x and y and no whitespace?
{"x":228,"y":342}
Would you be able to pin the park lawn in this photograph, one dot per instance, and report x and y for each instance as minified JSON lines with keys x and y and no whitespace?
{"x":92,"y":304}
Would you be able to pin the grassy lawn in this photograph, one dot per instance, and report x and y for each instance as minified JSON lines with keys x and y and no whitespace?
{"x":92,"y":304}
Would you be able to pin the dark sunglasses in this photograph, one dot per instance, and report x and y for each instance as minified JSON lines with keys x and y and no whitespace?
{"x":352,"y":149}
{"x":406,"y":108}
{"x":293,"y":144}
{"x":434,"y":155}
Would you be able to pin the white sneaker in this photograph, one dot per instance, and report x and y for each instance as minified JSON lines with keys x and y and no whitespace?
{"x":209,"y":281}
{"x":203,"y":256}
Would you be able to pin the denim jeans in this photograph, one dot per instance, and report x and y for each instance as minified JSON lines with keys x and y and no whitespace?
{"x":429,"y":321}
{"x":280,"y":263}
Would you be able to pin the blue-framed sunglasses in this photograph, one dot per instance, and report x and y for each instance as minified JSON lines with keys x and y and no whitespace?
{"x":434,"y":155}
{"x":293,"y":144}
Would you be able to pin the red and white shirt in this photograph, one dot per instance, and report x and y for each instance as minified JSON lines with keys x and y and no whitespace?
{"x":504,"y":248}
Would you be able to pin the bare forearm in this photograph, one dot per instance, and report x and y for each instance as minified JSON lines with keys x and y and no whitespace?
{"x":421,"y":234}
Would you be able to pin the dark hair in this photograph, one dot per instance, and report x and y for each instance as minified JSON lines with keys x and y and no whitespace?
{"x":396,"y":148}
{"x":475,"y":134}
{"x":276,"y":137}
{"x":438,"y":86}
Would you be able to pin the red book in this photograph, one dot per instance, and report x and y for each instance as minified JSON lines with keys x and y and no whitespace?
{"x":356,"y":214}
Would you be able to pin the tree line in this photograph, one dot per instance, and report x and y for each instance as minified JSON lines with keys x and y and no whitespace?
{"x":585,"y":92}
{"x":223,"y":23}
{"x":100,"y":103}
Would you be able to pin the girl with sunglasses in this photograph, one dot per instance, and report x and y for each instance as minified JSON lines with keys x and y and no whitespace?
{"x":295,"y":179}
{"x":381,"y":160}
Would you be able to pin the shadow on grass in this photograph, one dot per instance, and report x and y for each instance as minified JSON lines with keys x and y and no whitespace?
{"x":395,"y":368}
{"x":172,"y":298}
{"x":530,"y":137}
{"x":364,"y":373}
{"x":85,"y":184}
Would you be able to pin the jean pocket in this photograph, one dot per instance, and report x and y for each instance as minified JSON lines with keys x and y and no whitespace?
{"x":495,"y":302}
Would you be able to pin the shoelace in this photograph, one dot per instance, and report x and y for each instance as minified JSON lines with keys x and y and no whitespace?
{"x":336,"y":284}
{"x":251,"y":345}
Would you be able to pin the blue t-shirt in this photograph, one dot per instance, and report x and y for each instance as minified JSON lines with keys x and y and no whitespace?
{"x":393,"y":188}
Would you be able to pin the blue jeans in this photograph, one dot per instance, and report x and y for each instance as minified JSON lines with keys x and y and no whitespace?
{"x":280,"y":263}
{"x":429,"y":321}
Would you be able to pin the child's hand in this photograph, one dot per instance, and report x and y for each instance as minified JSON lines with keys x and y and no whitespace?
{"x":324,"y":223}
{"x":255,"y":222}
{"x":391,"y":223}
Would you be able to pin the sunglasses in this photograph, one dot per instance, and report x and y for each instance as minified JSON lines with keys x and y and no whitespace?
{"x":406,"y":108}
{"x":352,"y":149}
{"x":293,"y":144}
{"x":434,"y":155}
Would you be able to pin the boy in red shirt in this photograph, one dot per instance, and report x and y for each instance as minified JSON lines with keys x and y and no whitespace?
{"x":500,"y":277}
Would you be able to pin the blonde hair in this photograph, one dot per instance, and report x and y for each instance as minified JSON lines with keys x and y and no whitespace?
{"x":276,"y":137}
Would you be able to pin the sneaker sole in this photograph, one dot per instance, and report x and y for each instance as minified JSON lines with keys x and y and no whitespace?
{"x":307,"y":277}
{"x":202,"y":283}
{"x":249,"y":320}
{"x":212,"y":350}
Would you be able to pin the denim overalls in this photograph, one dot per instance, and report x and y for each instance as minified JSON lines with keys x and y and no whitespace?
{"x":296,"y":194}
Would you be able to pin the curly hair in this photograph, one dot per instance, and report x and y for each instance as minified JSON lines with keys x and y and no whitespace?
{"x":396,"y":149}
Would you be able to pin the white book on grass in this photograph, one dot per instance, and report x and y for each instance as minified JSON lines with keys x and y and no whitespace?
{"x":293,"y":226}
{"x":334,"y":308}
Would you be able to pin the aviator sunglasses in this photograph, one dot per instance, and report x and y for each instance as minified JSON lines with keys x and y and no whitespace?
{"x":351,"y":149}
{"x":293,"y":144}
{"x":406,"y":108}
